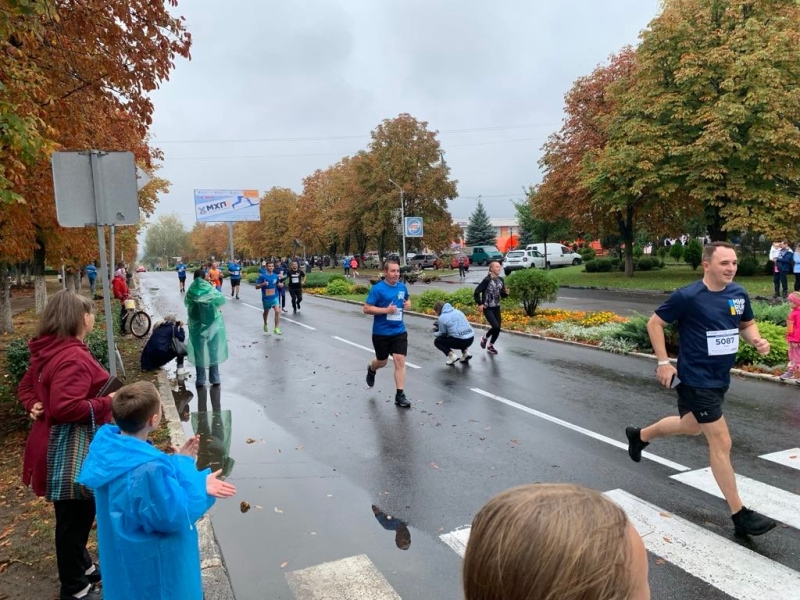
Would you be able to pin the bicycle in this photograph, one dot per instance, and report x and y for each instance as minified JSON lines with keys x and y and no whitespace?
{"x":137,"y":321}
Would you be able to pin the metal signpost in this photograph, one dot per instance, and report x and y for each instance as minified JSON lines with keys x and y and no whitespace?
{"x":227,"y":206}
{"x":96,"y":188}
{"x":402,"y":219}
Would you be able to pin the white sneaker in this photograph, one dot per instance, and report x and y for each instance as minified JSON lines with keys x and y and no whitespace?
{"x":465,"y":356}
{"x":182,"y":372}
{"x":451,"y":358}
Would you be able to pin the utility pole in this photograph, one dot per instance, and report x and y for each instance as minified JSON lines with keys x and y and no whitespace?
{"x":402,"y":219}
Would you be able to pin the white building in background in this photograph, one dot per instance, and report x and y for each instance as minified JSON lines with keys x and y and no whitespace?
{"x":506,"y":229}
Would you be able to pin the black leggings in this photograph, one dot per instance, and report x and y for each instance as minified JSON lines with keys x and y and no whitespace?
{"x":797,"y":282}
{"x":492,"y":314}
{"x":74,"y":520}
{"x":297,"y":297}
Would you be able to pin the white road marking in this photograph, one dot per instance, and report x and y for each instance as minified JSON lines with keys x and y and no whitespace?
{"x":728,"y":566}
{"x":787,"y":458}
{"x":299,"y":323}
{"x":457,"y":539}
{"x":773,"y":502}
{"x":583,"y":430}
{"x":371,"y":350}
{"x":353,"y":578}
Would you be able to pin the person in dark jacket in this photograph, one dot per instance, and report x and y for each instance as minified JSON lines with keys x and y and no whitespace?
{"x":487,"y":296}
{"x":158,"y":351}
{"x":61,"y":386}
{"x":783,"y":266}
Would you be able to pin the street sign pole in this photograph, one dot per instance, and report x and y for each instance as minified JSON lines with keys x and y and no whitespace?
{"x":230,"y":239}
{"x":101,"y":239}
{"x":112,"y":239}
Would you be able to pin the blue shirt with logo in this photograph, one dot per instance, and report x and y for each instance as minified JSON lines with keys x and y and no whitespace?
{"x":181,"y":269}
{"x":708,"y":325}
{"x":91,"y":272}
{"x":382,"y":295}
{"x":234,"y":270}
{"x":271,"y":279}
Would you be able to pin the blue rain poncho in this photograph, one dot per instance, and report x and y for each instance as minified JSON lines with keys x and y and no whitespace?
{"x":147,"y":506}
{"x":208,"y":344}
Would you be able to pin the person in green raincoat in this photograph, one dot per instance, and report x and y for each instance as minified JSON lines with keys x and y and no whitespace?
{"x":208,"y":344}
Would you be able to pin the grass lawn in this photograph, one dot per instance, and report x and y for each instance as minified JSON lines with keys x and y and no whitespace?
{"x":667,"y":279}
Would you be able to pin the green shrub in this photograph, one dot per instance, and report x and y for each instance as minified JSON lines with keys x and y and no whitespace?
{"x":17,"y":359}
{"x":338,"y":287}
{"x":614,"y":263}
{"x":320,"y":278}
{"x":587,"y":254}
{"x":661,"y":252}
{"x":531,"y":287}
{"x":361,"y":289}
{"x":748,"y":267}
{"x":338,"y":277}
{"x":774,"y":313}
{"x":428,"y":298}
{"x":634,"y":331}
{"x":645,"y":263}
{"x":778,"y":351}
{"x":693,"y":253}
{"x":251,"y":278}
{"x":462,"y":298}
{"x":590,"y":266}
{"x":638,"y":252}
{"x":251,"y":269}
{"x":676,"y":250}
{"x":604,"y":265}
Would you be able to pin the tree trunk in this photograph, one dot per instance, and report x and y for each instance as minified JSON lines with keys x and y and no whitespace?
{"x":19,"y":275}
{"x":6,"y":322}
{"x":69,"y":280}
{"x":39,"y":282}
{"x":715,"y":223}
{"x":626,"y":231}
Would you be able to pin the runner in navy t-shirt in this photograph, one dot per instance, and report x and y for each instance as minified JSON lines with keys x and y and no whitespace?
{"x":386,"y":301}
{"x":712,"y":314}
{"x":235,"y":273}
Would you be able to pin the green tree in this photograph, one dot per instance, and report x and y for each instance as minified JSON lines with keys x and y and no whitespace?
{"x":165,"y":238}
{"x":479,"y":229}
{"x":531,"y":287}
{"x":712,"y":115}
{"x":525,"y":220}
{"x":693,"y":253}
{"x":545,"y":229}
{"x":676,"y":250}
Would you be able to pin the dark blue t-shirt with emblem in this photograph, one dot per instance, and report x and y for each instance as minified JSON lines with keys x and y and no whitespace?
{"x":382,"y":295}
{"x":708,"y":324}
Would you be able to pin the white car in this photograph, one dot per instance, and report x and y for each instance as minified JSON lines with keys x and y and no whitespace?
{"x":522,"y":259}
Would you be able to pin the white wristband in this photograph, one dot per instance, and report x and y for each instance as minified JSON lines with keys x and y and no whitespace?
{"x":661,"y":363}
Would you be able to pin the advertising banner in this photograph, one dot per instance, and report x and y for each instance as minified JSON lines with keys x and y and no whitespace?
{"x":214,"y":206}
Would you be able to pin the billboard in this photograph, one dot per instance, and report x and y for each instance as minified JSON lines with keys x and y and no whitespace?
{"x":212,"y":206}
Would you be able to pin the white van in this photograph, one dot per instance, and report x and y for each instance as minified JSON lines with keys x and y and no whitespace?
{"x":557,"y":255}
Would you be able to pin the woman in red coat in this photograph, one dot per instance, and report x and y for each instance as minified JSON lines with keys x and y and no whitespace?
{"x":61,"y":382}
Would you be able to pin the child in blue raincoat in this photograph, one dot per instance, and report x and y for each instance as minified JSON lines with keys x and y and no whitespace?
{"x":147,"y":503}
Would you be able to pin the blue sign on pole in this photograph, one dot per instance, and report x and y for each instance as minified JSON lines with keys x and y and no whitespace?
{"x":413,"y":226}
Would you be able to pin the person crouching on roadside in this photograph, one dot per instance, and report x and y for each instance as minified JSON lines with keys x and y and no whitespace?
{"x":453,"y":332}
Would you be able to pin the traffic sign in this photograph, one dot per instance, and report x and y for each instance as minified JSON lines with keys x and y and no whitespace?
{"x":413,"y":227}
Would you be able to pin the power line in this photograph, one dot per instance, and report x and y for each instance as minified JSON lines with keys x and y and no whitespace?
{"x":325,"y":138}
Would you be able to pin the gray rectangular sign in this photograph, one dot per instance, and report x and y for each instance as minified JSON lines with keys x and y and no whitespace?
{"x":78,"y":203}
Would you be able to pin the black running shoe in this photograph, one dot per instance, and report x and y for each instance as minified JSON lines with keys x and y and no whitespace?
{"x":749,"y":522}
{"x":370,"y":376}
{"x":635,"y":443}
{"x":401,"y":400}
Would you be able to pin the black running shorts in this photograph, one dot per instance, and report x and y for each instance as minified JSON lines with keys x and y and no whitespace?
{"x":390,"y":344}
{"x":704,"y":403}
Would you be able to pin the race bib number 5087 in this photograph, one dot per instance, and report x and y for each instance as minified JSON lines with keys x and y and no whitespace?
{"x":722,"y":342}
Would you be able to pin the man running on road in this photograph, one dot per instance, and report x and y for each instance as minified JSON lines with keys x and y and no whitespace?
{"x":214,"y":276}
{"x":386,"y":301}
{"x":181,"y":269}
{"x":711,"y":314}
{"x":268,"y":284}
{"x":296,"y":279}
{"x":235,"y":272}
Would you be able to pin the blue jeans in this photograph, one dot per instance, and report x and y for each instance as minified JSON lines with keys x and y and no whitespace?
{"x":213,"y":375}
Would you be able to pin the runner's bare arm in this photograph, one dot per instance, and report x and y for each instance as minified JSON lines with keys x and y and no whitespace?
{"x":750,"y":334}
{"x":665,"y":370}
{"x":370,"y":309}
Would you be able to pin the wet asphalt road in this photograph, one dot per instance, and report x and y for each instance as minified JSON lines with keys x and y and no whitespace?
{"x":327,"y":448}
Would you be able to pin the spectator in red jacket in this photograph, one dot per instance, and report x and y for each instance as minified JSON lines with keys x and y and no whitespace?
{"x":60,"y":386}
{"x":121,"y":293}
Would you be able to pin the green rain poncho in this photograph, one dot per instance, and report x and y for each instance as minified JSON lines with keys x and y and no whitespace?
{"x":208,"y":344}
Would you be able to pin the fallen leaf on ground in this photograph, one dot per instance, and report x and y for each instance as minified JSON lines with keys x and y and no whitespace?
{"x":665,"y":515}
{"x":244,"y":506}
{"x":254,"y":441}
{"x":434,"y":465}
{"x":660,"y":561}
{"x":666,"y":539}
{"x":278,"y":510}
{"x":284,"y":563}
{"x":300,"y":447}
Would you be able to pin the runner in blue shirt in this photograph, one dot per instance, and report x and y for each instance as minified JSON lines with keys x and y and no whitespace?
{"x":712,"y":314}
{"x":235,"y":273}
{"x":386,"y":301}
{"x":268,"y":284}
{"x":181,"y":269}
{"x":91,"y":274}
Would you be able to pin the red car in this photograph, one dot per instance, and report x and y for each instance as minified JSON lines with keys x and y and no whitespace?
{"x":141,"y":269}
{"x":456,"y":258}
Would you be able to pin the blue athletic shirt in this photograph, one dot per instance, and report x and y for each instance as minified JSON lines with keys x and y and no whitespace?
{"x":708,"y":324}
{"x":181,"y":269}
{"x":382,"y":295}
{"x":235,"y":271}
{"x":91,"y":272}
{"x":271,"y":281}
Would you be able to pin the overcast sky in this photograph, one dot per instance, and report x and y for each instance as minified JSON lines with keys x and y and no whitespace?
{"x":276,"y":90}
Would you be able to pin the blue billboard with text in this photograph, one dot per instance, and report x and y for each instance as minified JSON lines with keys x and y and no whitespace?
{"x":215,"y":206}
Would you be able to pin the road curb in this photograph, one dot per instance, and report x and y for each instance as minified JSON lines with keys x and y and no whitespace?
{"x":216,"y":581}
{"x":538,"y":336}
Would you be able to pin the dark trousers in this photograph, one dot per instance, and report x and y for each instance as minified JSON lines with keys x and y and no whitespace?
{"x":297,"y":297}
{"x":446,"y":343}
{"x":797,"y":282}
{"x":282,"y":296}
{"x":123,"y":317}
{"x":74,"y":520}
{"x":462,"y":272}
{"x":492,"y":314}
{"x":780,"y":280}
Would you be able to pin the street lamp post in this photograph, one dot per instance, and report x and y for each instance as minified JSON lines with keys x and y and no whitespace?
{"x":402,"y":219}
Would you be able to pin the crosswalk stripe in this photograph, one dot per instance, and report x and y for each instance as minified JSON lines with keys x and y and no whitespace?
{"x":773,"y":502}
{"x":457,"y":539}
{"x":788,"y":458}
{"x":731,"y":568}
{"x":353,"y":578}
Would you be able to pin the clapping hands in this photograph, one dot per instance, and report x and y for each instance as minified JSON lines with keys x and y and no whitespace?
{"x":218,"y":488}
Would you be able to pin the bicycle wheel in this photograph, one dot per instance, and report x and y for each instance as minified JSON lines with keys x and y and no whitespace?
{"x":140,"y":324}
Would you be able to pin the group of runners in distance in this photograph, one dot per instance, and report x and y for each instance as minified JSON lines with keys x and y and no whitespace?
{"x":711,"y":314}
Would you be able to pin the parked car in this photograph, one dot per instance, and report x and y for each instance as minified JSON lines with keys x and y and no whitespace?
{"x":558,"y":255}
{"x":141,"y":269}
{"x":423,"y":261}
{"x":522,"y":259}
{"x":482,"y":255}
{"x":456,"y":258}
{"x":372,"y":260}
